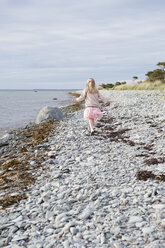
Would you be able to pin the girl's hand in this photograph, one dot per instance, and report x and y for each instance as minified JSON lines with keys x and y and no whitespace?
{"x":74,"y":100}
{"x":107,"y":104}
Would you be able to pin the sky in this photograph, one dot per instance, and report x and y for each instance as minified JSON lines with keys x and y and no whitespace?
{"x":59,"y":44}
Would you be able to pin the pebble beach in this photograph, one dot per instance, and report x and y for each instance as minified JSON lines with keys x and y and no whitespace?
{"x":100,"y":191}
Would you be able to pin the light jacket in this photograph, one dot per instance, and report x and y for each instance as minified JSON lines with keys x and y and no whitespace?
{"x":91,"y":100}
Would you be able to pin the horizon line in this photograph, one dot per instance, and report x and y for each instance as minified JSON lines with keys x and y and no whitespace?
{"x":42,"y":89}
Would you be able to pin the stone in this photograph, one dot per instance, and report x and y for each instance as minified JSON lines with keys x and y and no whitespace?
{"x":4,"y":139}
{"x":49,"y":113}
{"x":86,"y":213}
{"x":158,"y":206}
{"x":2,"y":242}
{"x":115,"y":230}
{"x":134,"y":219}
{"x":21,"y":237}
{"x":73,"y":230}
{"x":32,"y":163}
{"x":147,"y":230}
{"x":16,"y":246}
{"x":87,"y":193}
{"x":66,"y":244}
{"x":49,"y":215}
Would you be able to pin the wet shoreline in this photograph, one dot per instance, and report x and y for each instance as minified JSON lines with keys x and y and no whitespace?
{"x":22,"y":155}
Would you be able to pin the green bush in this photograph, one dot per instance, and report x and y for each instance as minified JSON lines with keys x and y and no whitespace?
{"x":107,"y":86}
{"x":117,"y":83}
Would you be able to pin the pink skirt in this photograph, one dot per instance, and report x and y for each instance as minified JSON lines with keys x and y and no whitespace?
{"x":92,"y":113}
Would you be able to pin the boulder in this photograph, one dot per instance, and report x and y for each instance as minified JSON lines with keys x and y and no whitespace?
{"x":4,"y":140}
{"x":49,"y":113}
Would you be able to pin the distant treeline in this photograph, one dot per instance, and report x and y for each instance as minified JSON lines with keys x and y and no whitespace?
{"x":152,"y":76}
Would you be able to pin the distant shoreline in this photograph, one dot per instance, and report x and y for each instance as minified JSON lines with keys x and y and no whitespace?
{"x":39,"y":89}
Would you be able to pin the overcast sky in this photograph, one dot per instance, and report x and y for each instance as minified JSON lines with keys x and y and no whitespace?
{"x":61,"y":43}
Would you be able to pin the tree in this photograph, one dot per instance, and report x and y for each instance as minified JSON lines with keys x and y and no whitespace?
{"x":161,"y":65}
{"x":117,"y":83}
{"x":135,"y":78}
{"x":110,"y":85}
{"x":107,"y":86}
{"x":102,"y":85}
{"x":154,"y":75}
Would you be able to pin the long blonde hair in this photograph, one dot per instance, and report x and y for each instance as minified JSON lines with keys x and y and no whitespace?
{"x":91,"y":86}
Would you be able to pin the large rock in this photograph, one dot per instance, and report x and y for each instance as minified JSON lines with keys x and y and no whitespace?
{"x":4,"y":139}
{"x":49,"y":113}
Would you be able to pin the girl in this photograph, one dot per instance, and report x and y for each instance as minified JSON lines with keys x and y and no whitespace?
{"x":91,"y":96}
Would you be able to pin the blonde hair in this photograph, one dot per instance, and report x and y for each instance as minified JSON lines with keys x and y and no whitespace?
{"x":90,"y":86}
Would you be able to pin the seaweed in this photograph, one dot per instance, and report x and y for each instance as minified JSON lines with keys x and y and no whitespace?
{"x":148,"y":147}
{"x":72,"y":108}
{"x":151,"y":161}
{"x":74,"y":94}
{"x":131,"y":143}
{"x":110,"y":120}
{"x":144,"y":175}
{"x":108,"y":131}
{"x":142,"y":155}
{"x":9,"y":200}
{"x":17,"y":171}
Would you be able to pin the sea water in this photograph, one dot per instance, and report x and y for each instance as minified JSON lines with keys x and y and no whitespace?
{"x":19,"y":107}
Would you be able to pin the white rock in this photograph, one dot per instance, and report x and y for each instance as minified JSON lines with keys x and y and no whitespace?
{"x":140,"y":224}
{"x":66,"y":244}
{"x":134,"y":219}
{"x":115,"y":230}
{"x":17,"y":238}
{"x":4,"y":139}
{"x":49,"y":113}
{"x":32,"y":163}
{"x":78,"y":159}
{"x":86,"y":213}
{"x":147,"y":230}
{"x":49,"y":215}
{"x":18,"y":219}
{"x":158,"y":206}
{"x":73,"y":230}
{"x":16,"y":246}
{"x":49,"y":230}
{"x":51,"y":153}
{"x":61,"y":217}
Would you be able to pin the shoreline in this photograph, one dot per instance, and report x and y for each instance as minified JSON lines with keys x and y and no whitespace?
{"x":9,"y":130}
{"x":23,"y":140}
{"x":27,"y":113}
{"x":89,"y":192}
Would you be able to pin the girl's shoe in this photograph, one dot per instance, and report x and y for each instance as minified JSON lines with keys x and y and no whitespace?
{"x":92,"y":132}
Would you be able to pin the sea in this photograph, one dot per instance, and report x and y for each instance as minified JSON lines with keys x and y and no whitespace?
{"x":20,"y":107}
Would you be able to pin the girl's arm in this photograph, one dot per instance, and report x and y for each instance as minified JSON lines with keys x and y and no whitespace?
{"x":80,"y":98}
{"x":103,"y":99}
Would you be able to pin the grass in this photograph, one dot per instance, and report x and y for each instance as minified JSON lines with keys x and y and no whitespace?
{"x":157,"y":85}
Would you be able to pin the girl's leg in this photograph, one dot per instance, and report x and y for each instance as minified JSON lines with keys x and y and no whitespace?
{"x":91,"y":124}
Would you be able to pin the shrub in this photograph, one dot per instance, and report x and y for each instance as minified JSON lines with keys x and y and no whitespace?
{"x":106,"y":86}
{"x":117,"y":83}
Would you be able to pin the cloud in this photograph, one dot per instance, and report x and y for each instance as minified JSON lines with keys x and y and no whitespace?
{"x":61,"y":41}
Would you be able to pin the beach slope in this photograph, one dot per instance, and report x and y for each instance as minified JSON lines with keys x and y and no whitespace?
{"x":99,"y":191}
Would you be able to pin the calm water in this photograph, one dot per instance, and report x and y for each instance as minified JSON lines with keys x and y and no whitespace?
{"x":19,"y":107}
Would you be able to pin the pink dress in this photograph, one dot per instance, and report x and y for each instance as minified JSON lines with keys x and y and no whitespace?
{"x":92,"y":109}
{"x":92,"y":113}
